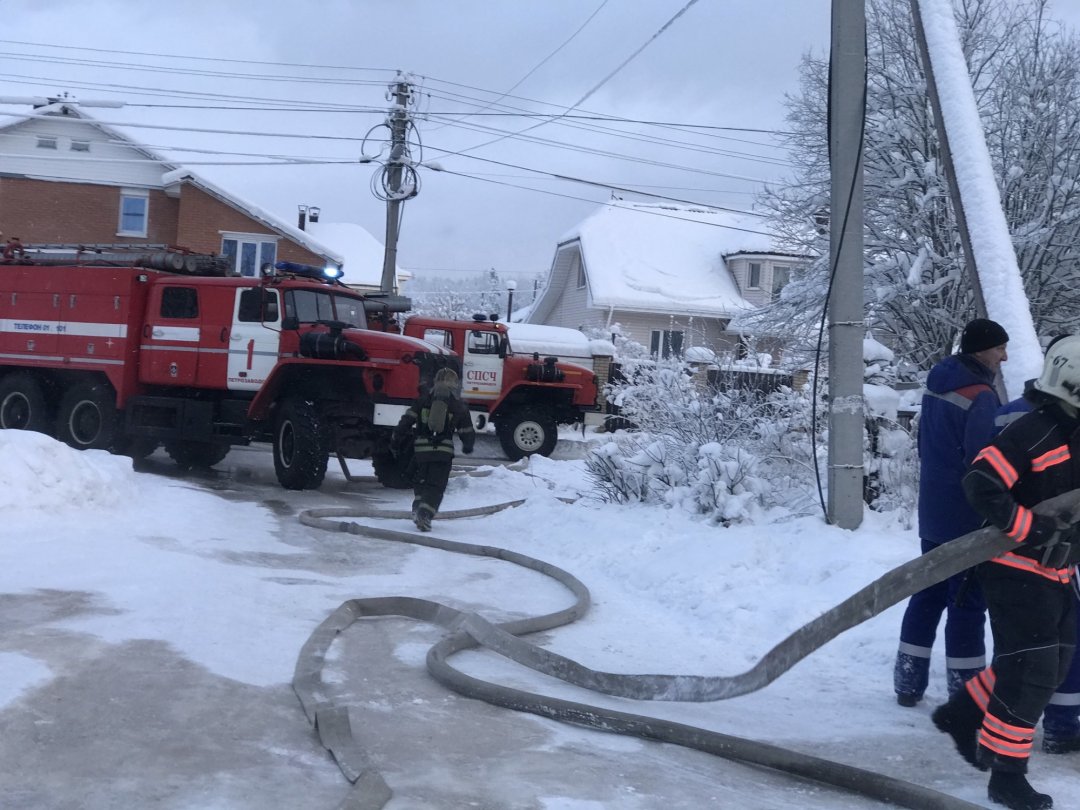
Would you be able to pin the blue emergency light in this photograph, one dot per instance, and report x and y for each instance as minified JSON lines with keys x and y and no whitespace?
{"x":310,"y":270}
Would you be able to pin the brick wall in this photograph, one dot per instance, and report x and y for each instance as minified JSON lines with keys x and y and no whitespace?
{"x":40,"y":211}
{"x":203,"y":217}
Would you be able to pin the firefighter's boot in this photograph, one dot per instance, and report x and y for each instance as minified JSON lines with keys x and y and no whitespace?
{"x":961,"y":718}
{"x":910,"y":676}
{"x":1061,"y":729}
{"x":422,"y":518}
{"x":1013,"y":790}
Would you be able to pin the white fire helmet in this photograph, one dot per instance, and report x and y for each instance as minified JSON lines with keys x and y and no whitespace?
{"x":1061,"y":371}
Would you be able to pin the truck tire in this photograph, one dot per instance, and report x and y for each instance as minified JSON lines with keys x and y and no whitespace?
{"x":301,"y":449}
{"x":23,"y":405}
{"x":392,"y":471}
{"x":87,"y":417}
{"x":192,"y":455}
{"x":527,"y":432}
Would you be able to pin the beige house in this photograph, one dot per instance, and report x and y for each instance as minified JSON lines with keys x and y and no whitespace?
{"x":671,"y":276}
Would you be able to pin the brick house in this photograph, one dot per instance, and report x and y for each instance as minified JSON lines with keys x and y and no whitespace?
{"x":67,"y":178}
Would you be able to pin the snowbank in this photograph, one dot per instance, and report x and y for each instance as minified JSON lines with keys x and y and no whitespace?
{"x":39,"y":473}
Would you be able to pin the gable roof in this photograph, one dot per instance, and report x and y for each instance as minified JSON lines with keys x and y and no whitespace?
{"x":344,"y":244}
{"x":665,"y":257}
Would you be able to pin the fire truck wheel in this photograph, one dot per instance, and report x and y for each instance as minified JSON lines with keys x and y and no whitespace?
{"x":300,"y":446}
{"x":87,"y":418}
{"x":191,"y":455}
{"x":527,"y":432}
{"x":23,"y":405}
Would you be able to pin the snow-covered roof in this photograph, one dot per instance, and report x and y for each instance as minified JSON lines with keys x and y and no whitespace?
{"x":362,"y":252}
{"x":557,"y":341}
{"x":666,"y":257}
{"x":303,"y":238}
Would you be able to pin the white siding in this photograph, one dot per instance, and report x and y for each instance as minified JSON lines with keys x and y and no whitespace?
{"x":21,"y":155}
{"x":708,"y":332}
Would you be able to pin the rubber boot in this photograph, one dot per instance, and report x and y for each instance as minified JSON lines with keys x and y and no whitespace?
{"x":961,"y":719}
{"x":422,"y":519}
{"x":910,"y":677}
{"x":1061,"y":729}
{"x":956,"y":678}
{"x":1014,"y":791}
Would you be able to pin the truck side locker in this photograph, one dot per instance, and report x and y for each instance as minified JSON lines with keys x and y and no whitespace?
{"x":170,"y":335}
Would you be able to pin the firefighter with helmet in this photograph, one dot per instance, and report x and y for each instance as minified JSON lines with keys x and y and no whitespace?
{"x":1028,"y":589}
{"x":430,"y":425}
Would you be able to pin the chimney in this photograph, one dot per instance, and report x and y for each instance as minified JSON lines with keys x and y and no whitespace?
{"x":301,"y":219}
{"x":313,"y":213}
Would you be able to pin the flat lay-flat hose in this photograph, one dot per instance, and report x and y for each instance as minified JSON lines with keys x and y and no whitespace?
{"x":468,"y":630}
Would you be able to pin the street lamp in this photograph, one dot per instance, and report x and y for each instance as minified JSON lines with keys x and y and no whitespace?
{"x":511,"y":285}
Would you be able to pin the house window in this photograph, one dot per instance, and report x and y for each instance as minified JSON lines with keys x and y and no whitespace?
{"x":666,"y":343}
{"x":580,"y":271}
{"x":179,"y":302}
{"x":134,"y":210}
{"x":80,"y":146}
{"x":46,"y":142}
{"x":780,"y":277}
{"x":246,"y":254}
{"x":753,"y":276}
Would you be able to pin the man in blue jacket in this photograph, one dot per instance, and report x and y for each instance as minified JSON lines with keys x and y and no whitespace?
{"x":956,"y":422}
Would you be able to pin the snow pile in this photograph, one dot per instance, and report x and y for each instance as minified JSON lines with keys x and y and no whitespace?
{"x":39,"y":473}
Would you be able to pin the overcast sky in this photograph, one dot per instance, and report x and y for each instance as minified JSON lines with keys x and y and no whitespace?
{"x":721,"y":63}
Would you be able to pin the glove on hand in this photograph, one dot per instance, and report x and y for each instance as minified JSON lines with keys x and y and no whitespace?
{"x":467,"y":450}
{"x":1056,"y":535}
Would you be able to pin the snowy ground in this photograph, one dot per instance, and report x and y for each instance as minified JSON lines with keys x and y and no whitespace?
{"x":167,"y":614}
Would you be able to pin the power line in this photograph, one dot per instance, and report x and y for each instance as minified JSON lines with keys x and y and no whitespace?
{"x":160,"y":55}
{"x":603,"y":81}
{"x":542,"y":62}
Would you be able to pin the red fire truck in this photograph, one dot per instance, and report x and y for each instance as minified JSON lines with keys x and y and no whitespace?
{"x":105,"y":351}
{"x":526,"y":397}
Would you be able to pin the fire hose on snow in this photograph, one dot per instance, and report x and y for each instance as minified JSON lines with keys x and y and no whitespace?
{"x":468,"y":630}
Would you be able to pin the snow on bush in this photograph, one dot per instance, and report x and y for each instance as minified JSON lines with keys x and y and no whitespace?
{"x":726,"y":453}
{"x":37,"y":472}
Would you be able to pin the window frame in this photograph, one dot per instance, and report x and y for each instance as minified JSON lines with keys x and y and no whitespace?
{"x":262,"y":244}
{"x":141,"y":195}
{"x":774,"y":291}
{"x":751,"y":282}
{"x":665,"y":343}
{"x":48,"y":142}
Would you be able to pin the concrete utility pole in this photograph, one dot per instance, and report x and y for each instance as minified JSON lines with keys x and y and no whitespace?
{"x":847,"y":105}
{"x":397,"y":120}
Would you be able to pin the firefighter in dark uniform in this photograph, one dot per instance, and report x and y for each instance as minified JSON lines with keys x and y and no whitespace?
{"x":430,"y":424}
{"x":1027,"y":589}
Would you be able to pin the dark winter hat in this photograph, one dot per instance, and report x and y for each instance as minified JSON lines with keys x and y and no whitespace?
{"x":982,"y":334}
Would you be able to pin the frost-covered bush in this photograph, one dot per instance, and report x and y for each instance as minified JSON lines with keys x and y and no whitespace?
{"x":725,"y":453}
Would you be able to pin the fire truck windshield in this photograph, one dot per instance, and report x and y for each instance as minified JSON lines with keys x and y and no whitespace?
{"x":309,"y":306}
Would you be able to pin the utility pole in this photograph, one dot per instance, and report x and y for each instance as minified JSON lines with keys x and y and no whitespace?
{"x":847,"y":110}
{"x":946,"y":159}
{"x":398,"y":121}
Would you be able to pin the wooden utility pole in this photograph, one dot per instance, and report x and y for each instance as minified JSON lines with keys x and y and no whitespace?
{"x":847,"y":106}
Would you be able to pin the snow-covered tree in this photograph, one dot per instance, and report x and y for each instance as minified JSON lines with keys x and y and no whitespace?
{"x":1025,"y":74}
